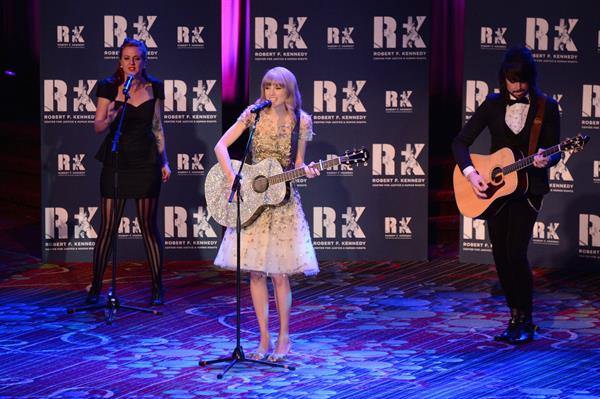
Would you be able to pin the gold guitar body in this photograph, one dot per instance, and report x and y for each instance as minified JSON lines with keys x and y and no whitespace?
{"x":500,"y":186}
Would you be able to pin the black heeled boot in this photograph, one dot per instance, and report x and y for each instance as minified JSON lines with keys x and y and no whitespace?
{"x":512,"y":330}
{"x":526,"y":329}
{"x":158,"y":294}
{"x":93,"y":296}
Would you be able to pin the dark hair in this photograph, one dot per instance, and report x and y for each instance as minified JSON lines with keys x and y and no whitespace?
{"x":119,"y":76}
{"x":518,"y":66}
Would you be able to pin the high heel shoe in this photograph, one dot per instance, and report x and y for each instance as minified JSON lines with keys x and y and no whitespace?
{"x":158,"y":297}
{"x":93,"y":296}
{"x":259,"y":354}
{"x":277,"y":357}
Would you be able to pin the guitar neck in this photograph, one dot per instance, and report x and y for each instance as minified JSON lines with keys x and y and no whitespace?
{"x":528,"y":161}
{"x":299,"y":172}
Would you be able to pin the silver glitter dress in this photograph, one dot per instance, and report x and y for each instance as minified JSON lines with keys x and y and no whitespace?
{"x":278,"y":241}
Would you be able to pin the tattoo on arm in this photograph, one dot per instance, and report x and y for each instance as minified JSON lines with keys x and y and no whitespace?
{"x":159,"y":137}
{"x":158,"y":133}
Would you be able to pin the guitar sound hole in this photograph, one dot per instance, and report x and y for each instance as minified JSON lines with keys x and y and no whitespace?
{"x":497,"y":176}
{"x":260,"y":184}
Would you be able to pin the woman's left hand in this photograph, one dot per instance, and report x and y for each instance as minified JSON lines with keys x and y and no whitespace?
{"x":166,"y":173}
{"x":311,"y":171}
{"x":540,"y":161}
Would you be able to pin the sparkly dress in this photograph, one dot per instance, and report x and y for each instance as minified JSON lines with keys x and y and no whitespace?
{"x":278,"y":241}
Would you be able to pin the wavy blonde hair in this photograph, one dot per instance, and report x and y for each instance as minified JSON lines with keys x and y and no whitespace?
{"x":284,"y":77}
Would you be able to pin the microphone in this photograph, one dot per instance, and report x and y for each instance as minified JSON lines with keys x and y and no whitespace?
{"x":127,"y":85}
{"x":259,"y":107}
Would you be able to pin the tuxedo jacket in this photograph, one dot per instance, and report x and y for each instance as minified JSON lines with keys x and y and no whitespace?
{"x":491,"y":115}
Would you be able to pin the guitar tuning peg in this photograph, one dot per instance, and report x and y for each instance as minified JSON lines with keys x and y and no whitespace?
{"x":354,"y":150}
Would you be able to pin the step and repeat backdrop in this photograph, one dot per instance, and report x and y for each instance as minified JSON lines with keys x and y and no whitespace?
{"x":363,"y":71}
{"x":565,"y":41}
{"x":79,"y":48}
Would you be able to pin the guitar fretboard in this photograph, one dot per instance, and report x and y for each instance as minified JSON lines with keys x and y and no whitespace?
{"x":299,"y":172}
{"x":527,"y":161}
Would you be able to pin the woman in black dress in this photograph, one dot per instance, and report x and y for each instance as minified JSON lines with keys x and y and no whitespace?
{"x":142,"y":161}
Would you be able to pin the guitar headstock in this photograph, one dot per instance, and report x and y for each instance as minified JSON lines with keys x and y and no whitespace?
{"x":574,"y":144}
{"x":355,"y":157}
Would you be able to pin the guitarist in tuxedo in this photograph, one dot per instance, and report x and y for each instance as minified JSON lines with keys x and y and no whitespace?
{"x":509,"y":117}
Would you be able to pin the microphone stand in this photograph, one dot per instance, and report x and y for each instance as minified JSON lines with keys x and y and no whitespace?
{"x":112,"y":301}
{"x":238,"y":352}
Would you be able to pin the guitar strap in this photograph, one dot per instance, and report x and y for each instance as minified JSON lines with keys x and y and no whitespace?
{"x":537,"y":124}
{"x":294,"y":138}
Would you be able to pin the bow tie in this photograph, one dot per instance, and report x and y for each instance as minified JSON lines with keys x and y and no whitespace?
{"x":522,"y":100}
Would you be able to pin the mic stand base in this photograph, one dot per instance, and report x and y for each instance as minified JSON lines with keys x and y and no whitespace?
{"x":111,"y":306}
{"x":238,"y":357}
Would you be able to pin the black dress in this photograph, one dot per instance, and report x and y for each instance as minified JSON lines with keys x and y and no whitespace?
{"x":139,"y":165}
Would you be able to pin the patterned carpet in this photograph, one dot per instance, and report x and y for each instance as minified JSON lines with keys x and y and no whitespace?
{"x":359,"y":330}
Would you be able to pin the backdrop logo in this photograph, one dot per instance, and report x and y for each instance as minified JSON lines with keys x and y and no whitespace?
{"x":596,"y":171}
{"x":55,"y":95}
{"x":397,"y":228}
{"x":589,"y":236}
{"x":476,"y":92}
{"x":590,"y":111}
{"x":384,"y":32}
{"x":340,"y":39}
{"x":475,"y":236}
{"x":267,"y":45}
{"x":327,"y":228}
{"x":493,"y":38}
{"x":391,"y":45}
{"x":189,"y":233}
{"x":130,"y":228}
{"x":556,"y":47}
{"x":557,"y":97}
{"x":70,"y":37}
{"x":70,"y":165}
{"x":182,"y":105}
{"x":383,"y":160}
{"x":63,"y":233}
{"x":83,"y":101}
{"x":190,"y":164}
{"x":190,"y":37}
{"x":338,"y":170}
{"x":546,"y":233}
{"x":327,"y":100}
{"x":398,"y":102}
{"x":409,"y":165}
{"x":116,"y":30}
{"x":384,"y":164}
{"x":57,"y":98}
{"x":561,"y":179}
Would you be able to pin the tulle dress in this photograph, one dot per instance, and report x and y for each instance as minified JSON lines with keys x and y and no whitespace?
{"x":278,"y":241}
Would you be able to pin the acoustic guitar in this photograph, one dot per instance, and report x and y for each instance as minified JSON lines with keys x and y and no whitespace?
{"x":504,"y":172}
{"x":262,"y":185}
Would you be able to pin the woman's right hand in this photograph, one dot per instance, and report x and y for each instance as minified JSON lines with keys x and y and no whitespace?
{"x":111,"y":113}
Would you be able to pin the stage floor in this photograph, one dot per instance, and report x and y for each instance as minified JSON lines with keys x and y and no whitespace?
{"x":372,"y":330}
